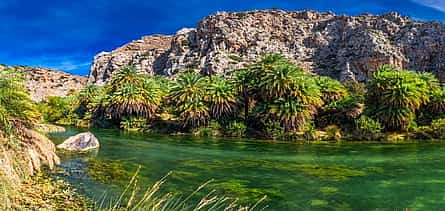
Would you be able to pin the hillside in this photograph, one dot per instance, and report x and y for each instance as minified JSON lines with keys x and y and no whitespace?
{"x":343,"y":47}
{"x":44,"y":82}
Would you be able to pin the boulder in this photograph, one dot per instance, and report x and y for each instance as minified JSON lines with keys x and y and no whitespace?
{"x":80,"y":142}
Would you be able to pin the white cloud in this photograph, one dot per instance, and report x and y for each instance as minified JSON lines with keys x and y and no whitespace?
{"x":70,"y":65}
{"x":436,"y":4}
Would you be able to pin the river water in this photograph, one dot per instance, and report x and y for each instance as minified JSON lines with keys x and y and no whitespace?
{"x":292,"y":176}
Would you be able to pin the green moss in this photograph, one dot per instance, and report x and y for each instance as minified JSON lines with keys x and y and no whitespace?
{"x":239,"y":189}
{"x":108,"y":171}
{"x":330,"y":172}
{"x":43,"y":193}
{"x":328,"y":190}
{"x":319,"y":203}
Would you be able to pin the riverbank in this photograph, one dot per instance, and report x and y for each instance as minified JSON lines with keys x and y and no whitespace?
{"x":41,"y":192}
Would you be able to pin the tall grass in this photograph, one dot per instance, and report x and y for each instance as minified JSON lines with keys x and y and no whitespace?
{"x":151,"y":199}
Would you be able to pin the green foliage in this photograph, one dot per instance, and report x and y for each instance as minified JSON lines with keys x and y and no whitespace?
{"x":221,"y":96}
{"x":274,"y":97}
{"x":367,"y":129}
{"x":272,"y":129}
{"x":58,"y":109}
{"x":283,"y":92}
{"x":188,"y":94}
{"x":213,"y":129}
{"x":134,"y":95}
{"x":438,"y":128}
{"x":394,"y":96}
{"x":331,"y":90}
{"x":134,"y":124}
{"x":235,"y":129}
{"x":16,"y":108}
{"x":333,"y":133}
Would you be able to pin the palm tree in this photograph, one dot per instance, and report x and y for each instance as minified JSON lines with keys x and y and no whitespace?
{"x":127,"y":75}
{"x":332,"y":90}
{"x":394,"y":96}
{"x":244,"y":81}
{"x":134,"y":100}
{"x":221,"y":95}
{"x":292,"y":113}
{"x":284,"y":92}
{"x":278,"y":80}
{"x":188,"y":94}
{"x":85,"y":97}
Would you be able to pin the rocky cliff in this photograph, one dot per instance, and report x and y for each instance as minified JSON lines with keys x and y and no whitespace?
{"x":43,"y":82}
{"x":344,"y":47}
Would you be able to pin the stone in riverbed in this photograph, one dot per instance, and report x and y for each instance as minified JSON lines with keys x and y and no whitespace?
{"x":80,"y":142}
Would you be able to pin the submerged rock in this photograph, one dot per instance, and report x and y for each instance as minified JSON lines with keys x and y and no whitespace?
{"x":80,"y":142}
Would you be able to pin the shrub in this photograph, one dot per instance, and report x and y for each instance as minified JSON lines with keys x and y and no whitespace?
{"x":236,"y":129}
{"x":273,"y":129}
{"x":367,"y":129}
{"x":333,"y":133}
{"x":58,"y":109}
{"x":310,"y":133}
{"x":134,"y":124}
{"x":213,"y":129}
{"x":438,"y":128}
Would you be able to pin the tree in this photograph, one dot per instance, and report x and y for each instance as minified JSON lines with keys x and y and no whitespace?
{"x":394,"y":97}
{"x":284,"y":92}
{"x":125,"y":76}
{"x":221,"y":95}
{"x":140,"y":100}
{"x":188,"y":94}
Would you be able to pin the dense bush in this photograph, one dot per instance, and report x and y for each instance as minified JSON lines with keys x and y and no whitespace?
{"x":438,"y":128}
{"x":58,"y":110}
{"x":134,"y":124}
{"x":367,"y":129}
{"x":394,"y":96}
{"x":235,"y":129}
{"x":16,"y":108}
{"x":271,"y":98}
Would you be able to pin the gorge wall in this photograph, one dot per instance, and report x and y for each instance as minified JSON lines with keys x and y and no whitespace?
{"x":343,"y":47}
{"x":43,"y":82}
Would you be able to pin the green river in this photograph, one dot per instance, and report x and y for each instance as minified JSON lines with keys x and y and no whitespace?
{"x":293,"y":176}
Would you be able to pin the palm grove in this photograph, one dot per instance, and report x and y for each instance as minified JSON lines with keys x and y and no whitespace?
{"x":272,"y":98}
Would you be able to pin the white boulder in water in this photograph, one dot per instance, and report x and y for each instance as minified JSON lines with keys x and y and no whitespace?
{"x":80,"y":142}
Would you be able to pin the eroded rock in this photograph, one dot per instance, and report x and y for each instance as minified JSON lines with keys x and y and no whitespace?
{"x":43,"y":82}
{"x":343,"y":47}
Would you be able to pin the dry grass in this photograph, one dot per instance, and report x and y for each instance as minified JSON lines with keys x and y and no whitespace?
{"x":151,"y":199}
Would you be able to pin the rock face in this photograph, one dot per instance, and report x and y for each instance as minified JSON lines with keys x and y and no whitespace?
{"x":146,"y":54}
{"x":80,"y":142}
{"x":343,"y":47}
{"x":43,"y":82}
{"x":34,"y":151}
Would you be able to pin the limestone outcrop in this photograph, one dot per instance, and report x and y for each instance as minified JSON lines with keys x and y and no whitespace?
{"x":44,"y":82}
{"x":343,"y":47}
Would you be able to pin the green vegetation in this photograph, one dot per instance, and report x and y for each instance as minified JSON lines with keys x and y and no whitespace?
{"x":272,"y":98}
{"x":18,"y":115}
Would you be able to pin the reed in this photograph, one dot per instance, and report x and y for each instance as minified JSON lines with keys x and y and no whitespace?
{"x":132,"y":199}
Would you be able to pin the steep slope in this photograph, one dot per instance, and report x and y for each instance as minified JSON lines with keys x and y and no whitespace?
{"x":43,"y":82}
{"x":344,"y":47}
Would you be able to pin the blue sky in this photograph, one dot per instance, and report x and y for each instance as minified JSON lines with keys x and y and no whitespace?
{"x":66,"y":34}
